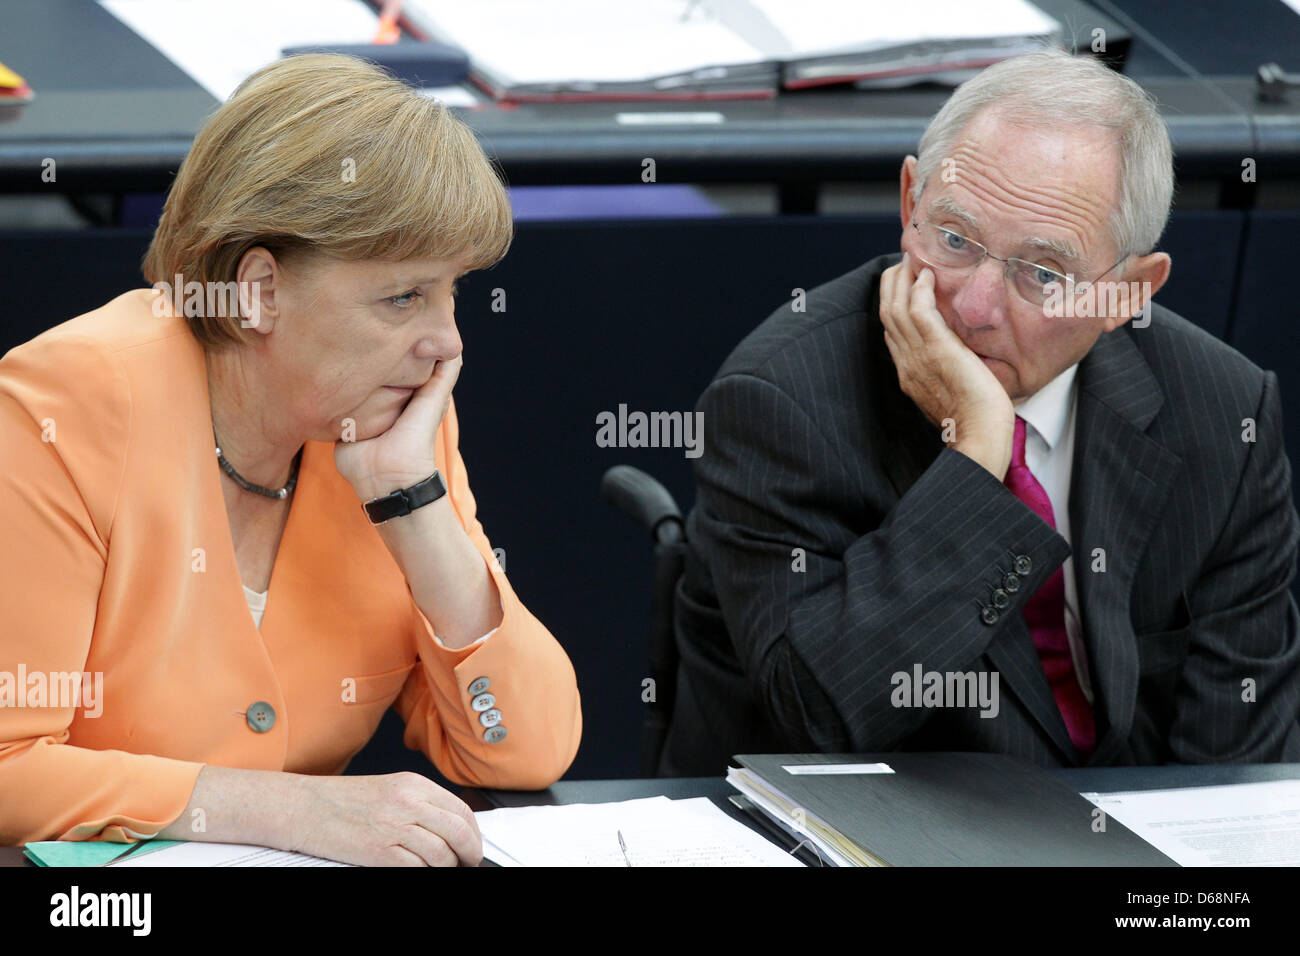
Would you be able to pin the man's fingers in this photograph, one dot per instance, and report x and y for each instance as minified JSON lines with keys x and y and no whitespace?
{"x":900,"y":305}
{"x":923,"y":308}
{"x":907,"y":268}
{"x":887,"y":280}
{"x":894,"y":353}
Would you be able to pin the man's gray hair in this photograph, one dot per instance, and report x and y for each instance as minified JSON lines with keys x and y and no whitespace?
{"x":1055,"y":88}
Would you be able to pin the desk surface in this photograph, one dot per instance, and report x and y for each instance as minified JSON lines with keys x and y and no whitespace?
{"x":1103,"y":779}
{"x":1081,"y":779}
{"x":118,"y":116}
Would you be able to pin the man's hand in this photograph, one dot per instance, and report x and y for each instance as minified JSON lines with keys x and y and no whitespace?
{"x":947,"y":381}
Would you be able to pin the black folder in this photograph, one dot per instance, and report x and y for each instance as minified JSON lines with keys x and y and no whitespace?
{"x":956,"y":809}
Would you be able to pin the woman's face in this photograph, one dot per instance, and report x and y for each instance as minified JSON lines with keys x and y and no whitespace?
{"x":351,"y":340}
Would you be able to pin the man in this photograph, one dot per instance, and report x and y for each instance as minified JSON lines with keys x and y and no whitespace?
{"x":984,"y":495}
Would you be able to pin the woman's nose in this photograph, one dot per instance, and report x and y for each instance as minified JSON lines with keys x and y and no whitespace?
{"x":442,"y":345}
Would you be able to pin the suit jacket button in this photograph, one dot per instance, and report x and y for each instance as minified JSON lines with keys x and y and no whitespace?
{"x":1023,"y":564}
{"x":1001,"y":599}
{"x":479,"y":685}
{"x":495,"y":734}
{"x":260,"y":716}
{"x":483,"y":702}
{"x":989,"y":615}
{"x":490,"y":718}
{"x":1011,"y":582}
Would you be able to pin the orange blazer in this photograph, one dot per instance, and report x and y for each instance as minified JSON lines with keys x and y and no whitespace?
{"x":117,"y":559}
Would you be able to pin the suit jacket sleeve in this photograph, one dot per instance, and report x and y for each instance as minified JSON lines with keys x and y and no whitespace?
{"x":530,"y":676}
{"x":60,"y":462}
{"x":826,"y":595}
{"x":1240,"y":686}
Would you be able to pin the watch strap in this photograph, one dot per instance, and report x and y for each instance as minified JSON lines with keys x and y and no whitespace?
{"x":405,"y":500}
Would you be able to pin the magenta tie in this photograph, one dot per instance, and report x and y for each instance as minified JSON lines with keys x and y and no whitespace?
{"x":1045,"y":612}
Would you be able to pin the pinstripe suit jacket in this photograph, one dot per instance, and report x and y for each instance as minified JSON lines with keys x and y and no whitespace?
{"x":836,"y":542}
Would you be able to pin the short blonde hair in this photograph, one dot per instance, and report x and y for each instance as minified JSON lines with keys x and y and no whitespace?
{"x":322,"y":153}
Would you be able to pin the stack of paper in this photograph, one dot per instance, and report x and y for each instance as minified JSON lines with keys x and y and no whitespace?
{"x":524,"y":50}
{"x":220,"y":43}
{"x":800,"y":823}
{"x":655,"y":831}
{"x":1244,"y":824}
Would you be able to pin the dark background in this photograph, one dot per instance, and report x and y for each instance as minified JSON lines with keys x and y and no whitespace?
{"x":642,"y":311}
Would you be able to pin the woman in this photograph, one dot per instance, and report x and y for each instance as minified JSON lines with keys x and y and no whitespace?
{"x":183,"y":488}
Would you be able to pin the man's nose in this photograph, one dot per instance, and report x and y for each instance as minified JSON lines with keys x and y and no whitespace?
{"x":982,"y":299}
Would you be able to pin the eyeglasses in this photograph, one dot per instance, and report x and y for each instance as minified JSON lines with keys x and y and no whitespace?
{"x":952,"y":252}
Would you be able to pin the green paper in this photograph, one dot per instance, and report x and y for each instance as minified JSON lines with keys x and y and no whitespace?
{"x":86,"y":853}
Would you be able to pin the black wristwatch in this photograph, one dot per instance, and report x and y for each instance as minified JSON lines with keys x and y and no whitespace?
{"x":405,"y":500}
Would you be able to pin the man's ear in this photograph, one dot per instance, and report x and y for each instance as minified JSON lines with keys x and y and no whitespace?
{"x":258,"y":277}
{"x":906,"y":180}
{"x":1142,"y":280}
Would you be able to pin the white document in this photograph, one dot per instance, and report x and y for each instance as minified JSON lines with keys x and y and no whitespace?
{"x":563,"y":41}
{"x":827,"y":27}
{"x":656,"y":832}
{"x":1246,"y":824}
{"x":582,"y":41}
{"x":675,"y":118}
{"x":220,"y":43}
{"x":221,"y":854}
{"x":838,"y":768}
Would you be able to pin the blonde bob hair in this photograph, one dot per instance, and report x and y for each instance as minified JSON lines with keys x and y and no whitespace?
{"x":326,"y":154}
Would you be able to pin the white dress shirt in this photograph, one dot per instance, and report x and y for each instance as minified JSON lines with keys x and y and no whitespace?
{"x":1049,"y":416}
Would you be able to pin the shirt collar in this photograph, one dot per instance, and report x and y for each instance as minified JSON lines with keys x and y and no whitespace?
{"x":1048,"y":409}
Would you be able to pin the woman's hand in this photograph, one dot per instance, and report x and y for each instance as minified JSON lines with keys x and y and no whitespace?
{"x":403,"y":455}
{"x":430,"y":545}
{"x":397,"y":819}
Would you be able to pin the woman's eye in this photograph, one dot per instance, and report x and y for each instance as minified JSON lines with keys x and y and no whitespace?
{"x":405,"y":300}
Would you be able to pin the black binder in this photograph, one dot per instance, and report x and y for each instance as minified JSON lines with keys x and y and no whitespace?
{"x":956,"y":809}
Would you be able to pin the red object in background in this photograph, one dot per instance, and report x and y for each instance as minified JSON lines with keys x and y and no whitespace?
{"x":389,"y":32}
{"x":13,"y":88}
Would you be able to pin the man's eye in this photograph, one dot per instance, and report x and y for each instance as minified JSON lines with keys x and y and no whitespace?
{"x":1043,"y":276}
{"x":954,"y":241}
{"x":405,"y":300}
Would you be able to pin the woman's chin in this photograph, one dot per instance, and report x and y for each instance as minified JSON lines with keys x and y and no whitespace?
{"x":359,"y":426}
